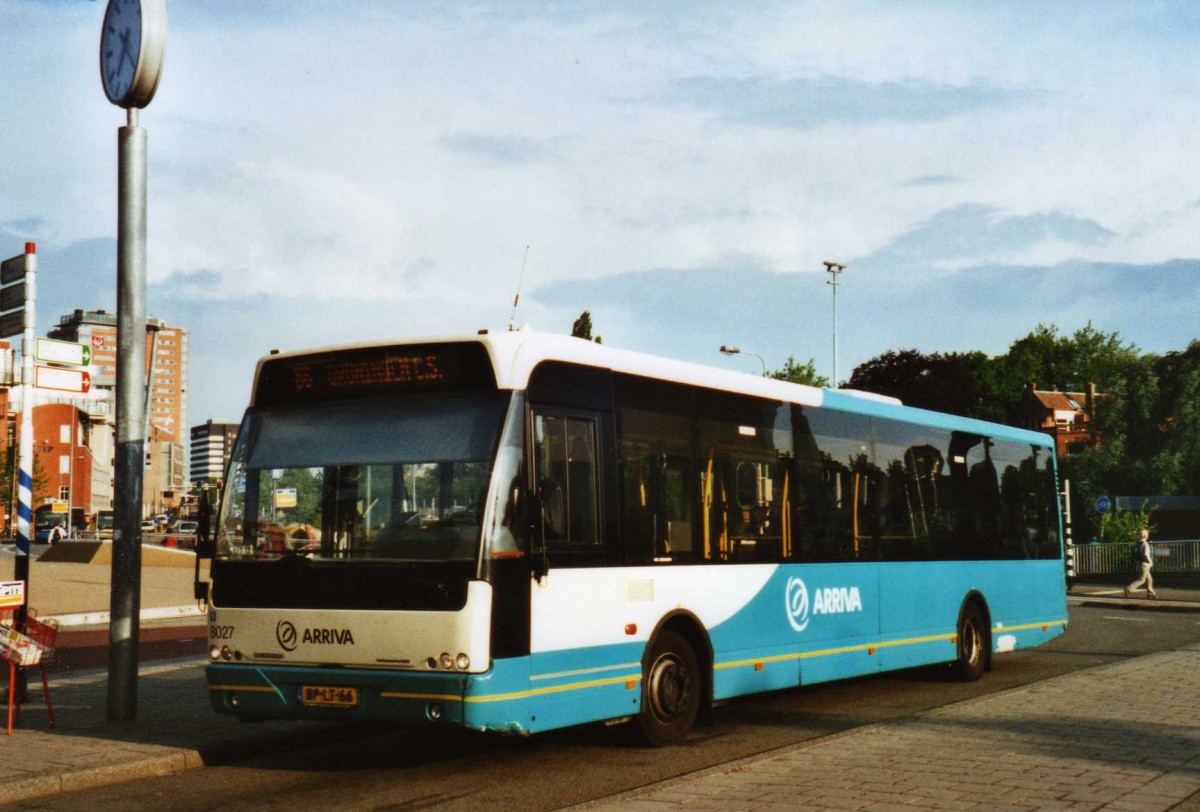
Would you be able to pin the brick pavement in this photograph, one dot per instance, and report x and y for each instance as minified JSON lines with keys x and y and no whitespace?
{"x":1122,"y":737}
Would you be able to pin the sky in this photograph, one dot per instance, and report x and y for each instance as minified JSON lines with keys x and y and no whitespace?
{"x":331,"y":172}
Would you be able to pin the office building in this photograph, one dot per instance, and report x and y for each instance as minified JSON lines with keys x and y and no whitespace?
{"x":212,"y":445}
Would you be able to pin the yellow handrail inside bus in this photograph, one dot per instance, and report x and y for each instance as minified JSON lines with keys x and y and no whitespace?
{"x":707,"y":510}
{"x":786,"y":524}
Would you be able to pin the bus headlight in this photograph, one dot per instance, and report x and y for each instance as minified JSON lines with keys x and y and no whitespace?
{"x":462,"y":662}
{"x":214,"y":653}
{"x":446,"y":661}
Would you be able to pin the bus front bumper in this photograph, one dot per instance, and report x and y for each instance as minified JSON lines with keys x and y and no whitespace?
{"x":258,"y":692}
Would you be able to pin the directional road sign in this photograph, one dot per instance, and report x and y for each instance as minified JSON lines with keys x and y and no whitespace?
{"x":62,"y":352}
{"x":12,"y":324}
{"x":12,"y":269}
{"x":64,"y":380}
{"x":12,"y":296}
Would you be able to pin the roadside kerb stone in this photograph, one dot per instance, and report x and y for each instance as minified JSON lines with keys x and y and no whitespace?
{"x":175,"y":731}
{"x":1125,"y":736}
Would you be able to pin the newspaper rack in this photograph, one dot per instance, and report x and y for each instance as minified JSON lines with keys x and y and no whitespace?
{"x":30,"y":645}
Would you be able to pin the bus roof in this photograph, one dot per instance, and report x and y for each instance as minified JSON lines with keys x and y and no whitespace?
{"x":515,"y":354}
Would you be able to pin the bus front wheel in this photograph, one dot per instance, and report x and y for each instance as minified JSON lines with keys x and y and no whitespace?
{"x":972,"y":644}
{"x":670,"y":691}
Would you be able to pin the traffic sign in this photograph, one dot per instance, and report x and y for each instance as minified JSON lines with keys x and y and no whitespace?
{"x":12,"y":296}
{"x":62,"y":352}
{"x":12,"y":269}
{"x":12,"y":324}
{"x":64,"y":380}
{"x":285,"y":497}
{"x":1103,"y":505}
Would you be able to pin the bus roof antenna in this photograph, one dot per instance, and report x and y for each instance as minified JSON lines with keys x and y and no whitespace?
{"x":517,"y":298}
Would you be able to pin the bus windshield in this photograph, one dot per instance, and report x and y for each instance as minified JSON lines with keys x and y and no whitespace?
{"x":386,"y":479}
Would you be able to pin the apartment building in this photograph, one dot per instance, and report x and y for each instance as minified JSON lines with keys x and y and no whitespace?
{"x":165,"y":479}
{"x":166,"y":363}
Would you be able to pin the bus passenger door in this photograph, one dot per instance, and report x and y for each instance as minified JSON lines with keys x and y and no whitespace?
{"x":575,"y":593}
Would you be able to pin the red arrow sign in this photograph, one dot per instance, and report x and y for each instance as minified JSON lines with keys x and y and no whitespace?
{"x":64,"y":380}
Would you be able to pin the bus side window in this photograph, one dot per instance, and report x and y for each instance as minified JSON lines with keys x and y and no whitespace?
{"x":565,"y":460}
{"x":656,"y":487}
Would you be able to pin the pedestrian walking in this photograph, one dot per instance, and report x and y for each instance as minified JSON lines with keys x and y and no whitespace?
{"x":1143,"y":556}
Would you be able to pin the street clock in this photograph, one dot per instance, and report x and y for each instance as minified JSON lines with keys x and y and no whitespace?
{"x":132,"y":43}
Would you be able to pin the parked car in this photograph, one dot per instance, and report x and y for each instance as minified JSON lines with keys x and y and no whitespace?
{"x":187,"y":528}
{"x":148,"y":526}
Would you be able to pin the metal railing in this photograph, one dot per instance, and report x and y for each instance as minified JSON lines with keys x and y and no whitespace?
{"x":1117,"y":559}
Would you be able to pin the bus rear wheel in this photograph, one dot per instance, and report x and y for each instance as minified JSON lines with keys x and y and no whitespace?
{"x":670,"y":691}
{"x":972,"y":644}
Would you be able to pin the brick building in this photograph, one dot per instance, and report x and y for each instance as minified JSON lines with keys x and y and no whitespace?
{"x":72,"y":452}
{"x":1066,"y":416}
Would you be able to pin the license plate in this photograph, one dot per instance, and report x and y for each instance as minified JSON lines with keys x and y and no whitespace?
{"x":329,"y":696}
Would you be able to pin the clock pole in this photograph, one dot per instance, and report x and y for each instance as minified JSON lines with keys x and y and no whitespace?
{"x":125,"y":604}
{"x":132,"y":42}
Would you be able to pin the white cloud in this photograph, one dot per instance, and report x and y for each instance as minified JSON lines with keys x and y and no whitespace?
{"x":309,"y":163}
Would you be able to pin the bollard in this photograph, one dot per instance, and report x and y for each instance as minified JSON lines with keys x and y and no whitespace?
{"x":170,"y":541}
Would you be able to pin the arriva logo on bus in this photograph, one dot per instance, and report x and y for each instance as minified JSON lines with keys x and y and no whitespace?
{"x":825,"y":601}
{"x":288,"y":636}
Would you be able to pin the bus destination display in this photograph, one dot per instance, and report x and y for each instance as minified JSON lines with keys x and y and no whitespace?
{"x":373,"y":371}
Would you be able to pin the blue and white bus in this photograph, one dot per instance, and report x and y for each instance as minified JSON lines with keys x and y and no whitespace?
{"x":518,"y":532}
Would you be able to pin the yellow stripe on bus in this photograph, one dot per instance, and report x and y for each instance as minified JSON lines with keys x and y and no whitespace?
{"x":805,"y":655}
{"x":576,"y":686}
{"x":402,"y":695}
{"x":632,"y":679}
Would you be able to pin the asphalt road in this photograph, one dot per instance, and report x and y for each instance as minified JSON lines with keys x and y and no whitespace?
{"x":391,"y":769}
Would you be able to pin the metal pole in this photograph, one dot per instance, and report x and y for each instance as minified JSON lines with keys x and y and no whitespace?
{"x":835,"y":369}
{"x":125,"y":607}
{"x":833,"y":269}
{"x":25,"y":447}
{"x":71,"y":474}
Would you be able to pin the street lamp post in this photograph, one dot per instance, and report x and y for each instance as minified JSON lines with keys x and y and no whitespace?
{"x":728,"y":349}
{"x":834,"y":269}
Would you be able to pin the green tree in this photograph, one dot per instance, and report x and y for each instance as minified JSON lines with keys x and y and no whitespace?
{"x":793,"y":372}
{"x":1049,"y":360}
{"x":950,"y":382}
{"x":1125,"y":526}
{"x":8,"y":481}
{"x":582,"y":328}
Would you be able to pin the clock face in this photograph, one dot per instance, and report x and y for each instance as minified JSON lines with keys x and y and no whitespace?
{"x":120,"y":47}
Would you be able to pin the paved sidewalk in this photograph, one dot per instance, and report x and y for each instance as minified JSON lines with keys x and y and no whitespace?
{"x":1119,"y":737}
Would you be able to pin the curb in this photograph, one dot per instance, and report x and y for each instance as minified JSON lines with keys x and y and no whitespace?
{"x":1134,"y":604}
{"x":100,"y":618}
{"x":40,"y":786}
{"x":173,"y":760}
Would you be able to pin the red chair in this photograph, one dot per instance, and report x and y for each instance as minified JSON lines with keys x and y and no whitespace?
{"x":31,"y":644}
